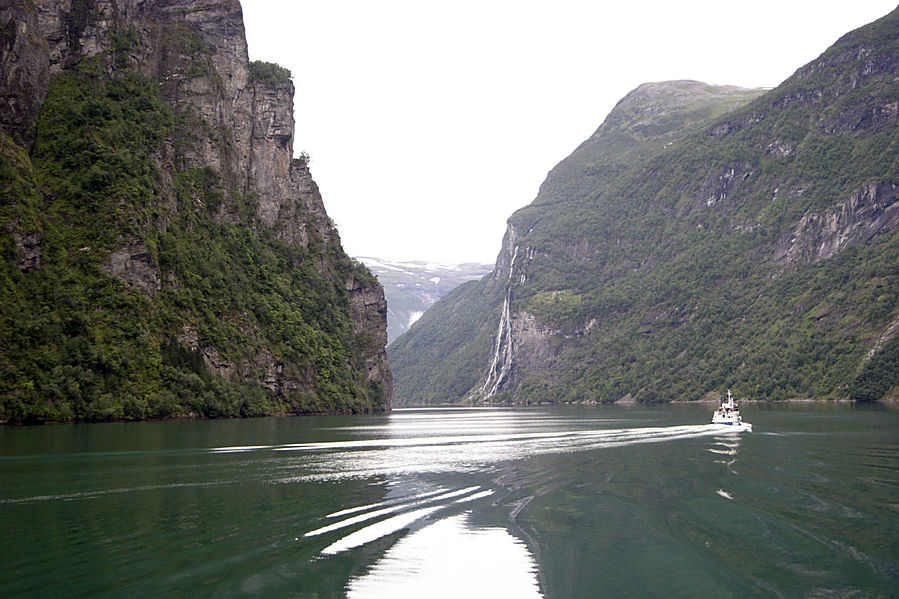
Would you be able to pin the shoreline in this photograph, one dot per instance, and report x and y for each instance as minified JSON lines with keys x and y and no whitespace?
{"x":633,"y":402}
{"x":389,"y":409}
{"x":195,"y":417}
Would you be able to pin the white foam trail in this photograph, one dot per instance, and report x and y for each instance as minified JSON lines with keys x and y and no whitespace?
{"x":480,"y":495}
{"x":391,"y":442}
{"x":468,"y":453}
{"x":378,"y":530}
{"x":238,"y":448}
{"x":414,"y":441}
{"x":371,"y":506}
{"x":610,"y":435}
{"x":410,"y":411}
{"x":387,"y":510}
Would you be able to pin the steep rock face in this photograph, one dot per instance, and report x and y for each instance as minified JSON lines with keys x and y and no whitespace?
{"x":24,"y":64}
{"x":368,"y":308}
{"x":200,"y":56}
{"x":192,"y":171}
{"x":271,"y":144}
{"x":289,"y":224}
{"x":871,"y":210}
{"x":695,"y":243}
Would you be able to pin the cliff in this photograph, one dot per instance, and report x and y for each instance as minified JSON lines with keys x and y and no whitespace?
{"x":702,"y":238}
{"x":164,"y":252}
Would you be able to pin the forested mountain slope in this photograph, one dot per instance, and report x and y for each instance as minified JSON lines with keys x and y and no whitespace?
{"x":163,"y":253}
{"x":702,"y":238}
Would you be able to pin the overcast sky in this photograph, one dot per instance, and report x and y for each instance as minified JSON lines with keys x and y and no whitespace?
{"x":430,"y":122}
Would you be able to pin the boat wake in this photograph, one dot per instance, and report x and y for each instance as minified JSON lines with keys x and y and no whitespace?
{"x":460,"y":452}
{"x":400,"y":514}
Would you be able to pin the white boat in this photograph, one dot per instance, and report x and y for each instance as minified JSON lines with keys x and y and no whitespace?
{"x":728,"y":412}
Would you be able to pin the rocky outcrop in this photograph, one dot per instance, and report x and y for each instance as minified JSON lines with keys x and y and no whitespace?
{"x":24,"y":69}
{"x":28,"y":247}
{"x":871,"y":210}
{"x":199,"y":54}
{"x":721,"y":184}
{"x":505,"y":260}
{"x":135,"y":266}
{"x":855,"y":60}
{"x":368,"y":309}
{"x":306,"y":210}
{"x":271,"y":148}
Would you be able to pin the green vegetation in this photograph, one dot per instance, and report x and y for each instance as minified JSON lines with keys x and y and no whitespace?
{"x":108,"y":171}
{"x":666,"y":258}
{"x":880,"y":374}
{"x":268,"y":72}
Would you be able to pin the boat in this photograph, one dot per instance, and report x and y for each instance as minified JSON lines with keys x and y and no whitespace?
{"x":728,"y":412}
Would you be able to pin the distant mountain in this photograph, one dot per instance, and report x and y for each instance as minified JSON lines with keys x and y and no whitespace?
{"x":413,"y":287}
{"x":702,"y":238}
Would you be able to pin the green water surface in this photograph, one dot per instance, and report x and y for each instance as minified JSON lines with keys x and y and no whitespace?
{"x":604,"y":501}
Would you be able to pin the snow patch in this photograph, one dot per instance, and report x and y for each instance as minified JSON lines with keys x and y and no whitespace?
{"x":375,"y":263}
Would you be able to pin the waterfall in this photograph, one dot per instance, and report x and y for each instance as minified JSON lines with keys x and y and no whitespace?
{"x":512,"y":264}
{"x":501,"y":365}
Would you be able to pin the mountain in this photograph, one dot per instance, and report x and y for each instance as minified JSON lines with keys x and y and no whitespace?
{"x":163,"y":252}
{"x":413,"y":287}
{"x":703,"y":238}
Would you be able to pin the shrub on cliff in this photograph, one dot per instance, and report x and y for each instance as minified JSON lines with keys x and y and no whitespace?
{"x":268,"y":72}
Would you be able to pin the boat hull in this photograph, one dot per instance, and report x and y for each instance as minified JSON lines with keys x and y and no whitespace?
{"x":742,"y":427}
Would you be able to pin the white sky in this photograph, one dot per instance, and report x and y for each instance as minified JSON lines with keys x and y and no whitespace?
{"x":430,"y":122}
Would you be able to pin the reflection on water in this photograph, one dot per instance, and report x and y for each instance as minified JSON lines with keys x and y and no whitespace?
{"x":726,"y":447}
{"x":451,"y":558}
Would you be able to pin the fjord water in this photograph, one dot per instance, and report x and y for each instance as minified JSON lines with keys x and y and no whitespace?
{"x":600,"y":501}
